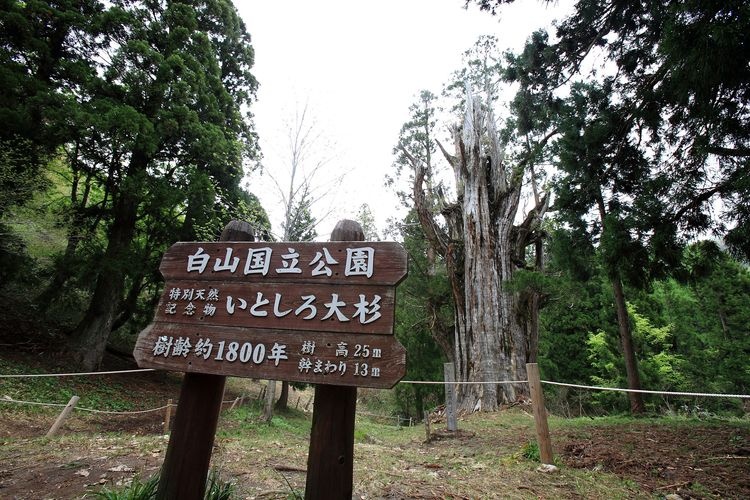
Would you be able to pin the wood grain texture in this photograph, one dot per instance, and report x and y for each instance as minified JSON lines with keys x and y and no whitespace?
{"x":185,"y":469}
{"x":286,"y":312}
{"x":389,"y":265}
{"x":330,"y":459}
{"x":540,"y":414}
{"x":359,"y":361}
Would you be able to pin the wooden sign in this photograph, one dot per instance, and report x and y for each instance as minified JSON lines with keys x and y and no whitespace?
{"x":335,"y":262}
{"x":285,"y":306}
{"x":361,"y":360}
{"x":311,"y":312}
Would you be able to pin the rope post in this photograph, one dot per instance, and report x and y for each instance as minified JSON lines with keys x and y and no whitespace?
{"x":167,"y":416}
{"x":62,"y":416}
{"x":540,"y":413}
{"x":235,"y":403}
{"x":449,"y":375}
{"x":427,"y":426}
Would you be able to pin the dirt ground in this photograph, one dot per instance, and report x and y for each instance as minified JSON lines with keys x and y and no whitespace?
{"x":648,"y":458}
{"x":693,"y":460}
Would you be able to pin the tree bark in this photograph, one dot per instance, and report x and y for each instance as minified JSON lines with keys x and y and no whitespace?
{"x":89,"y":340}
{"x":628,"y":351}
{"x":283,"y":402}
{"x":270,"y":399}
{"x":623,"y":327}
{"x":490,"y":339}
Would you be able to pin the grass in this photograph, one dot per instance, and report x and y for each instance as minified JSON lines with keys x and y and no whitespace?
{"x":497,"y":453}
{"x":95,"y":392}
{"x":216,"y":489}
{"x":492,"y":455}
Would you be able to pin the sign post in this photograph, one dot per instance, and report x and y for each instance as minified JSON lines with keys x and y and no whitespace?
{"x":186,"y":462}
{"x":321,"y":313}
{"x":330,"y":458}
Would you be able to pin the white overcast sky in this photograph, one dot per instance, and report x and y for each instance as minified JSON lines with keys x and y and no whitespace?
{"x":359,"y":66}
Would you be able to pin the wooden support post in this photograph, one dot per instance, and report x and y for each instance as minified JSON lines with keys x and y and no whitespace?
{"x":540,"y":413}
{"x":427,"y":426}
{"x":235,"y":403}
{"x":167,"y":416}
{"x":449,"y":376}
{"x":62,"y":416}
{"x":185,"y":469}
{"x":330,"y":459}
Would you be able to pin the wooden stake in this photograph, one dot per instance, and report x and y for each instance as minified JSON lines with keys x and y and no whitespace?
{"x":167,"y":416}
{"x":269,"y":402}
{"x":330,"y":459}
{"x":427,"y":426}
{"x":449,"y":376}
{"x":185,"y":469}
{"x":540,"y":413}
{"x":235,"y":403}
{"x":62,"y":416}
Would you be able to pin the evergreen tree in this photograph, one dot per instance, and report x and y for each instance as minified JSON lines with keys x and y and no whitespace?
{"x":682,"y":76}
{"x":424,"y":319}
{"x":165,"y":107}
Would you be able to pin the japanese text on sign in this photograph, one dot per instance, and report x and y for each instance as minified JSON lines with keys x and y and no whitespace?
{"x":359,"y":262}
{"x":360,"y":360}
{"x":365,"y":311}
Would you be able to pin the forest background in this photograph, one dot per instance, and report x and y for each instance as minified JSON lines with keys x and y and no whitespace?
{"x":128,"y":127}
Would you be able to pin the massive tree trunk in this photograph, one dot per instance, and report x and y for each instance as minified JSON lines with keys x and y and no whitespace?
{"x":89,"y":340}
{"x":481,"y":258}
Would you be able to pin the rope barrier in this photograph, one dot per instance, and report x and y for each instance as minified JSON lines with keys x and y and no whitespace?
{"x":79,"y":374}
{"x":644,"y":391}
{"x":593,"y":387}
{"x":440,"y":382}
{"x":7,"y":399}
{"x":422,"y":382}
{"x":136,"y":412}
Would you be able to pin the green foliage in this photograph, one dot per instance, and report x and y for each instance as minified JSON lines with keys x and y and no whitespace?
{"x":690,"y":334}
{"x":367,"y":221}
{"x":94,"y":393}
{"x":136,"y":490}
{"x":216,"y":489}
{"x":417,"y":140}
{"x":146,"y":106}
{"x":300,"y":223}
{"x":424,"y":318}
{"x":530,"y":451}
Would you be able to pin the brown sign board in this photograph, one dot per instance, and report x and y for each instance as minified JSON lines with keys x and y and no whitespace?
{"x":286,"y":306}
{"x":266,"y":310}
{"x":334,"y":262}
{"x":361,"y":360}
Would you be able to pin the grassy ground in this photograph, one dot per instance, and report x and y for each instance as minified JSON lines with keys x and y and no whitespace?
{"x":492,"y":455}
